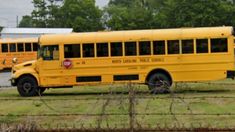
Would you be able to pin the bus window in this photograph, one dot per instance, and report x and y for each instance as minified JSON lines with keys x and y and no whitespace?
{"x":50,"y":52}
{"x":219,"y":45}
{"x":4,"y":48}
{"x":12,"y":47}
{"x":28,"y":47}
{"x":144,"y":48}
{"x":158,"y":47}
{"x":88,"y":50}
{"x":35,"y":46}
{"x":116,"y":48}
{"x":72,"y":51}
{"x":102,"y":49}
{"x":20,"y":47}
{"x":173,"y":46}
{"x":130,"y":48}
{"x":202,"y":45}
{"x":187,"y":46}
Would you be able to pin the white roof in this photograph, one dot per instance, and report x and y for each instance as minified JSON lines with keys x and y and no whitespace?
{"x":36,"y":30}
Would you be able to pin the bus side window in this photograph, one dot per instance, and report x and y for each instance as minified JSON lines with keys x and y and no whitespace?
{"x":173,"y":47}
{"x":88,"y":50}
{"x":202,"y":45}
{"x":219,"y":45}
{"x":35,"y":46}
{"x":72,"y":51}
{"x":4,"y":48}
{"x":144,"y":48}
{"x":28,"y":47}
{"x":55,"y":54}
{"x":187,"y":46}
{"x":20,"y":47}
{"x":116,"y":48}
{"x":102,"y":50}
{"x":159,"y":47}
{"x":12,"y":47}
{"x":130,"y":48}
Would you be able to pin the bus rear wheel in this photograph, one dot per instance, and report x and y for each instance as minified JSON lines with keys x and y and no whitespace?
{"x":27,"y":86}
{"x":159,"y":83}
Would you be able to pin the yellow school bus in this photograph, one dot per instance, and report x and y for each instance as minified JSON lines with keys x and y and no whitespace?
{"x":22,"y":49}
{"x":157,"y":58}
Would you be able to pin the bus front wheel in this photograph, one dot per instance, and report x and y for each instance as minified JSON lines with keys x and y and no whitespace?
{"x":159,"y":83}
{"x":27,"y":86}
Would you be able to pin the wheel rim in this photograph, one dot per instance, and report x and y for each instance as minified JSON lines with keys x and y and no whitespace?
{"x":159,"y":82}
{"x":27,"y":87}
{"x":160,"y":85}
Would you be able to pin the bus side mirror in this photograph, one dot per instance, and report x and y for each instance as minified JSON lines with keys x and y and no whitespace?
{"x":14,"y":60}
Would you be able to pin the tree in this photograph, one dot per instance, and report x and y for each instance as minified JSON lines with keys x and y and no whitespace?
{"x":43,"y":15}
{"x":54,"y":14}
{"x":81,"y":15}
{"x":39,"y":14}
{"x":191,"y":13}
{"x":133,"y":14}
{"x":26,"y":21}
{"x":84,"y":15}
{"x":121,"y":2}
{"x":141,"y":14}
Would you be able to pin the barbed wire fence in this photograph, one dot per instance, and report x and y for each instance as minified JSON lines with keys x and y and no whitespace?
{"x":127,"y":102}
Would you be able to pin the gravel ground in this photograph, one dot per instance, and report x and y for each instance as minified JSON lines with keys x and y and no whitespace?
{"x":4,"y":79}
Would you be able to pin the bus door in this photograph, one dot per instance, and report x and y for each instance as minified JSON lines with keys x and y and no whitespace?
{"x":49,"y":65}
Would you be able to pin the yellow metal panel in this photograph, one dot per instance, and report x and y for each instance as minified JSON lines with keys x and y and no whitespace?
{"x":157,"y":34}
{"x":7,"y":57}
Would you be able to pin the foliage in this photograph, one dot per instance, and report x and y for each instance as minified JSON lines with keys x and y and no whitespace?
{"x":128,"y":16}
{"x":81,"y":15}
{"x":84,"y":15}
{"x":191,"y":13}
{"x":39,"y":14}
{"x":141,"y":14}
{"x":26,"y":21}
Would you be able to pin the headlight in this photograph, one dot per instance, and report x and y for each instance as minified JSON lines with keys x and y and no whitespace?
{"x":14,"y":60}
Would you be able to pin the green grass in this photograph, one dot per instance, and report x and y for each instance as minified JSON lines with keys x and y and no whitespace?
{"x":186,"y":98}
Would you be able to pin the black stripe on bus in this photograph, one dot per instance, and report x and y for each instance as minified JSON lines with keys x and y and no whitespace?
{"x":89,"y":79}
{"x":125,"y":77}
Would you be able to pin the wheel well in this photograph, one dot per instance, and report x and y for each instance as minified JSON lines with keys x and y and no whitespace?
{"x":159,"y":71}
{"x":24,"y":75}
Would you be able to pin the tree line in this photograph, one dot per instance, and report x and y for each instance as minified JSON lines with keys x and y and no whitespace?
{"x":84,"y":15}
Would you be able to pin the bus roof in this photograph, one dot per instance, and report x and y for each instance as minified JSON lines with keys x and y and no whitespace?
{"x":137,"y":35}
{"x":15,"y":40}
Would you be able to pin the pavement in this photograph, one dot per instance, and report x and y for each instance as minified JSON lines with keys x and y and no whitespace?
{"x":4,"y":79}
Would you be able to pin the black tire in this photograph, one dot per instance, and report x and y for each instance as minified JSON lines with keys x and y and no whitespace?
{"x":159,"y":83}
{"x":28,"y":86}
{"x":42,"y":90}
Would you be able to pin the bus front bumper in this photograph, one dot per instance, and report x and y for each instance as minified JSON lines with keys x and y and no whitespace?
{"x":231,"y":74}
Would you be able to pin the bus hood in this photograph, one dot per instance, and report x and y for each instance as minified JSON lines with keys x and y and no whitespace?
{"x":24,"y":64}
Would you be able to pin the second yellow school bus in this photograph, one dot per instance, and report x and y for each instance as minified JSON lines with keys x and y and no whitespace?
{"x":23,"y":49}
{"x":153,"y":57}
